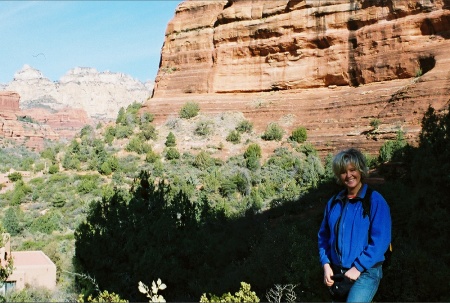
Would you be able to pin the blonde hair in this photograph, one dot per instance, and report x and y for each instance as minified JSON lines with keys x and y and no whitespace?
{"x":349,"y":156}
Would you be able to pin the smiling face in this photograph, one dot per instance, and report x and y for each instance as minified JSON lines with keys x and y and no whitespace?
{"x":351,"y":178}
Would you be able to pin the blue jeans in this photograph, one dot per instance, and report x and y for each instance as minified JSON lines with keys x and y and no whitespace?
{"x":366,"y":286}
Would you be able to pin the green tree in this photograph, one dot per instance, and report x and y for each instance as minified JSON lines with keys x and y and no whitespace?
{"x":121,"y":117}
{"x":19,"y":193}
{"x":86,"y":131}
{"x":375,"y":123}
{"x":109,"y":135}
{"x":434,"y":146}
{"x":170,"y":140}
{"x":11,"y":221}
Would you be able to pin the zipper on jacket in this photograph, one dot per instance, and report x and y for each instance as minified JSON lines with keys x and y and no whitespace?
{"x":337,"y":234}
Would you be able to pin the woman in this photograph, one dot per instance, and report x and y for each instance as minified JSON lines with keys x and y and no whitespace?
{"x":352,"y":241}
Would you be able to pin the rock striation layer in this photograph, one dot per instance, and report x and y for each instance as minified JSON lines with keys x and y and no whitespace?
{"x":332,"y":66}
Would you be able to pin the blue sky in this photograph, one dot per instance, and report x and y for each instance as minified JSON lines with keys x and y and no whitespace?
{"x":56,"y":36}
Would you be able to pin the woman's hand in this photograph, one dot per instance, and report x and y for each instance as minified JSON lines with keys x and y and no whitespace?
{"x":353,"y":273}
{"x":327,"y":273}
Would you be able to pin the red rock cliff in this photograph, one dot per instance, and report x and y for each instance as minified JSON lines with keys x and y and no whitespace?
{"x":332,"y":65}
{"x":254,"y":46}
{"x":9,"y":104}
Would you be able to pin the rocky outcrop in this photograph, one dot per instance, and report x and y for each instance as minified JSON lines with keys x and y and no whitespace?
{"x":32,"y":126}
{"x":9,"y":104}
{"x":100,"y":94}
{"x":331,"y":66}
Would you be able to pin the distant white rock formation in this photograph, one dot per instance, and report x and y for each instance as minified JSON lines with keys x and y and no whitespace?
{"x":100,"y":94}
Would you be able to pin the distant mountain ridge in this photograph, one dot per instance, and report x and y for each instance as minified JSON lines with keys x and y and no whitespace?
{"x":100,"y":94}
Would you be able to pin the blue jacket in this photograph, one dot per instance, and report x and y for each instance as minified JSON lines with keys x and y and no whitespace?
{"x":354,"y":239}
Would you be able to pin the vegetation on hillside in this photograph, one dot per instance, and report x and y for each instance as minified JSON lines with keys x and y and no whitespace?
{"x":126,"y":213}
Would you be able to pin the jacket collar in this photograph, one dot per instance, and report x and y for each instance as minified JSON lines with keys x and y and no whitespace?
{"x":342,"y":195}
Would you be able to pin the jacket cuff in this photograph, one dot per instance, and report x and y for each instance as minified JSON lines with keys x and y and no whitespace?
{"x":359,"y":267}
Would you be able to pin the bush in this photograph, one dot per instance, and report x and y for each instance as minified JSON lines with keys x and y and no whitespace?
{"x":253,"y":150}
{"x":189,"y":110}
{"x":151,"y":157}
{"x":243,"y":295}
{"x":149,"y":132}
{"x":390,"y":149}
{"x":88,"y":183}
{"x":147,"y":117}
{"x":136,"y":145}
{"x":53,"y":169}
{"x":308,"y":149}
{"x":273,"y":132}
{"x":29,"y":294}
{"x":252,"y":163}
{"x":203,"y":128}
{"x":234,"y":137}
{"x":46,"y":224}
{"x":123,"y":131}
{"x":59,"y":200}
{"x":244,"y":126}
{"x":105,"y":169}
{"x":49,"y":153}
{"x":172,"y":153}
{"x":375,"y":123}
{"x":203,"y":160}
{"x":15,"y":176}
{"x":299,"y":135}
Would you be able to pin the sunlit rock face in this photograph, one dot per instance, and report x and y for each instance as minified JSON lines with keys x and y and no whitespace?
{"x":254,"y":46}
{"x":9,"y":104}
{"x":333,"y":66}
